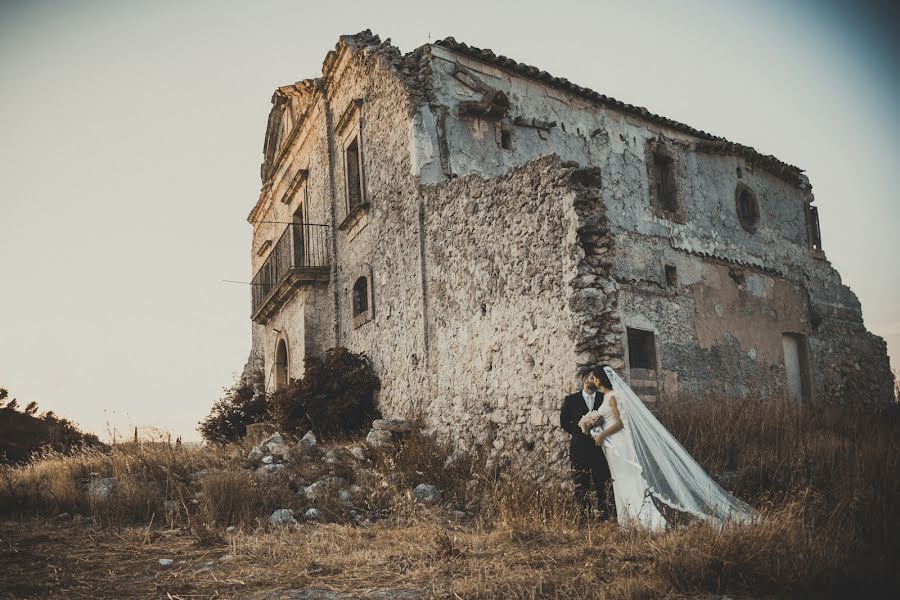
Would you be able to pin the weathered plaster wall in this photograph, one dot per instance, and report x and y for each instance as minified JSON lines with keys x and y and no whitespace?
{"x":809,"y":297}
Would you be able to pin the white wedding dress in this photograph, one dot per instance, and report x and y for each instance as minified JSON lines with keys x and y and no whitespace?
{"x":655,"y":481}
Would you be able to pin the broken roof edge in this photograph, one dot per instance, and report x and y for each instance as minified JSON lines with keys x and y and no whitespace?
{"x":711,"y":144}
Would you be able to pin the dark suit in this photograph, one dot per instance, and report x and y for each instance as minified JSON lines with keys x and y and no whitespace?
{"x":586,"y":457}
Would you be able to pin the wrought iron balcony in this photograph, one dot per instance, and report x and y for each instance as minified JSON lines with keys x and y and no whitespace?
{"x":299,"y":257}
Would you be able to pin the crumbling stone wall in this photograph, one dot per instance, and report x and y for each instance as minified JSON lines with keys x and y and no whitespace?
{"x":510,"y":306}
{"x":496,"y":268}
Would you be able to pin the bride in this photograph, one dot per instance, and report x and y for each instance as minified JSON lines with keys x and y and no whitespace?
{"x":656,"y":483}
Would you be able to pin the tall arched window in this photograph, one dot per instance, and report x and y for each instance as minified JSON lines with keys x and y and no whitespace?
{"x":360,"y":297}
{"x":281,"y":365}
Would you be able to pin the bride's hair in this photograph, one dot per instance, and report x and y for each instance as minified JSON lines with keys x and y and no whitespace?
{"x":600,"y":373}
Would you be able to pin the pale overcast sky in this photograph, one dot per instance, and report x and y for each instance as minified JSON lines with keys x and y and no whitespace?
{"x":131,"y":135}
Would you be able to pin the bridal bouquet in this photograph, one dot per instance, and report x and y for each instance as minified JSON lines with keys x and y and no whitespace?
{"x":590,"y":421}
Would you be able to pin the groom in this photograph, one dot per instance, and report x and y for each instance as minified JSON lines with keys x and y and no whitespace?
{"x":587,"y":458}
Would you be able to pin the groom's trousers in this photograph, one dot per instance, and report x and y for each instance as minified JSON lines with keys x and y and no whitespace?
{"x":593,"y":469}
{"x":588,"y":461}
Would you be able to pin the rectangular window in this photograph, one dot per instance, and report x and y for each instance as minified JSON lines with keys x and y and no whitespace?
{"x":815,"y":234}
{"x":664,"y":175}
{"x":671,"y":276}
{"x":353,"y":168}
{"x":641,"y":349}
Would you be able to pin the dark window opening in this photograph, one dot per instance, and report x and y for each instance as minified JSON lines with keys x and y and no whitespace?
{"x":747,"y":208}
{"x":815,"y":234}
{"x":505,"y":139}
{"x":360,"y":297}
{"x":281,"y":366}
{"x":664,"y":179}
{"x":671,"y":276}
{"x":354,"y":176}
{"x":641,"y":349}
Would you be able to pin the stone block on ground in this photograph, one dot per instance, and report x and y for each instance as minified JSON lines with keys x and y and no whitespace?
{"x":393,"y":425}
{"x":313,"y":514}
{"x":427,"y":494}
{"x":309,"y":440}
{"x":101,"y":488}
{"x":275,"y":437}
{"x":379,"y":438}
{"x":282,"y":516}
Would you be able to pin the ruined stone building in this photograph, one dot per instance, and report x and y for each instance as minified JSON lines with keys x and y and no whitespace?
{"x":480,"y":228}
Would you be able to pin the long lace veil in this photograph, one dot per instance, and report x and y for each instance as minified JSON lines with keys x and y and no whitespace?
{"x":673,"y":477}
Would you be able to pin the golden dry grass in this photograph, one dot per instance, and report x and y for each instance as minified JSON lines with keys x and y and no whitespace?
{"x":824,"y":476}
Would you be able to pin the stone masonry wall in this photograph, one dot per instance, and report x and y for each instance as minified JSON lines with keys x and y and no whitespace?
{"x":504,"y":257}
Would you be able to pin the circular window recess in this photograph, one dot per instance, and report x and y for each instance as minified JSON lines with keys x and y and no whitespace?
{"x":747,"y":208}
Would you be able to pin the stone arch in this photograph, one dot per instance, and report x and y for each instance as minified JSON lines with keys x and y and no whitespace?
{"x":281,"y":363}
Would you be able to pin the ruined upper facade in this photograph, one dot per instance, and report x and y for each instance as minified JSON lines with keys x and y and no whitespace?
{"x":481,"y":228}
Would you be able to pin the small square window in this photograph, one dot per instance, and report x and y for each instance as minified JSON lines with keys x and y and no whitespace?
{"x":641,"y":349}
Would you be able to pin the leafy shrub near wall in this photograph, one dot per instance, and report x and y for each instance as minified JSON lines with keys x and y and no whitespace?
{"x":244,"y":403}
{"x":335,"y":398}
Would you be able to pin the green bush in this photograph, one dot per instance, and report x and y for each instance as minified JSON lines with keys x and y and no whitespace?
{"x":244,"y":403}
{"x":335,"y":398}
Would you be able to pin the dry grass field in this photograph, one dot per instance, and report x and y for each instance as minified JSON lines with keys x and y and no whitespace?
{"x":824,"y":476}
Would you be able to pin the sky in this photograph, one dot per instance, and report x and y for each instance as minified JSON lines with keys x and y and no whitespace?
{"x":131,"y":135}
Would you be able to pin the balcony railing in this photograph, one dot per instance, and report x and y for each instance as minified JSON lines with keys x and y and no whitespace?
{"x":299,"y":257}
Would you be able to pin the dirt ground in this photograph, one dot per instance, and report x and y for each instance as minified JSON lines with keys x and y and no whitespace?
{"x":61,"y":558}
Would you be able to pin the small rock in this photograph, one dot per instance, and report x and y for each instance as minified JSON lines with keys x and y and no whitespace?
{"x":358,"y":453}
{"x":379,"y":438}
{"x":309,"y":440}
{"x":393,"y":425}
{"x":313,"y":514}
{"x":275,"y":437}
{"x":427,"y":494}
{"x":166,"y":562}
{"x":256,"y":454}
{"x":282,"y":516}
{"x":230,"y":529}
{"x":101,"y":488}
{"x":64,"y":515}
{"x":318,"y":489}
{"x":345,"y":496}
{"x":278,"y":450}
{"x":454,"y":459}
{"x":268,"y":460}
{"x":274,"y":468}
